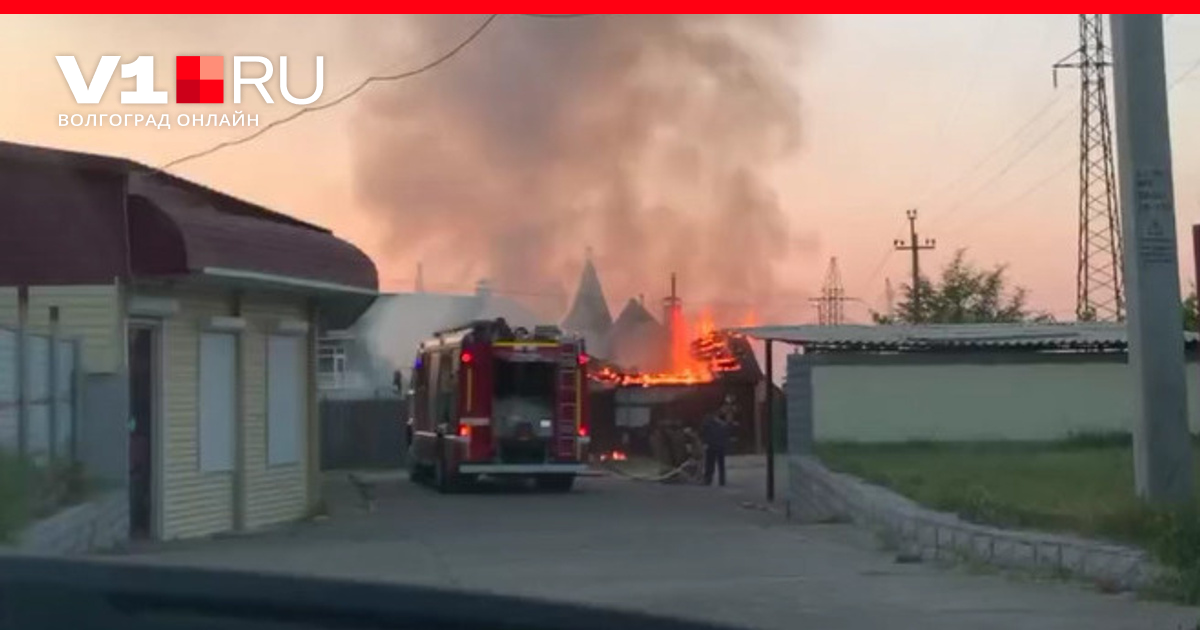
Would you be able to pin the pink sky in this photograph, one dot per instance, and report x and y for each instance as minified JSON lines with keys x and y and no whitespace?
{"x":896,"y":112}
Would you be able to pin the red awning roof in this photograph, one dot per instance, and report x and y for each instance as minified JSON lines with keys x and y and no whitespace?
{"x":177,"y":231}
{"x":79,"y":218}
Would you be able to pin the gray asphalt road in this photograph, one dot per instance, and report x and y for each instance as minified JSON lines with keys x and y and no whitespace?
{"x":686,"y":551}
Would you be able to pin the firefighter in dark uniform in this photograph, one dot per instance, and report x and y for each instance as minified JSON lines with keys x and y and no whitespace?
{"x":715,"y":433}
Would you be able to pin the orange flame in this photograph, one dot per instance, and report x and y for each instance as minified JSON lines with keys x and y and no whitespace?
{"x":615,"y":456}
{"x":698,"y":353}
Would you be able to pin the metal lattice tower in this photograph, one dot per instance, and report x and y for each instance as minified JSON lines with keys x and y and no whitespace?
{"x":829,"y":305}
{"x":1100,"y":291}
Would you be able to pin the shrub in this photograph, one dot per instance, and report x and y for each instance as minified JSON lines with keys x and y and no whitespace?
{"x":14,"y":496}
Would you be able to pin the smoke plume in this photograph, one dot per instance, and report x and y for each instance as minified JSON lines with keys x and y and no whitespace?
{"x":647,"y":138}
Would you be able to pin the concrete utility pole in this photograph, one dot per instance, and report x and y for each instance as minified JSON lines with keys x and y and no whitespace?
{"x":1162,"y":448}
{"x":915,"y":246}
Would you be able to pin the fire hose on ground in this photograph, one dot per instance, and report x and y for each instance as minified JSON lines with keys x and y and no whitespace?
{"x":675,"y":472}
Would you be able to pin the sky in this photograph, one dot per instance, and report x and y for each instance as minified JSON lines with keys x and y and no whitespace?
{"x":896,"y":112}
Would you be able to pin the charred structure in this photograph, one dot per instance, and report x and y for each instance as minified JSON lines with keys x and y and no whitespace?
{"x":692,"y":371}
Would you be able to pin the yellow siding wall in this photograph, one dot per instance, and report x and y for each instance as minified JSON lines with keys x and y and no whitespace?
{"x":8,"y":306}
{"x":90,"y":312}
{"x":193,"y":503}
{"x":273,"y":493}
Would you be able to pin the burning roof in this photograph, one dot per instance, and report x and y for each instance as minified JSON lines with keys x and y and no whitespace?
{"x":715,"y":354}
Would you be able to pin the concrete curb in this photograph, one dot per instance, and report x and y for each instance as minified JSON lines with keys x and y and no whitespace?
{"x":99,"y":524}
{"x":820,"y":495}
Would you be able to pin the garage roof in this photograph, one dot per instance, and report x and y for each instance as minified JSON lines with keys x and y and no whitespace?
{"x":1066,"y":336}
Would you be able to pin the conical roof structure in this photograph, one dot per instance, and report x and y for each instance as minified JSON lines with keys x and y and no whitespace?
{"x":637,"y":340}
{"x":589,"y":315}
{"x":632,"y":316}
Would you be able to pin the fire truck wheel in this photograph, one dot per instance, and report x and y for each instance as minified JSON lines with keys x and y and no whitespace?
{"x":555,"y":483}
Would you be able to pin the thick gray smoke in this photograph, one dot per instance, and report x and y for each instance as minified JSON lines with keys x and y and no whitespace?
{"x":647,"y":138}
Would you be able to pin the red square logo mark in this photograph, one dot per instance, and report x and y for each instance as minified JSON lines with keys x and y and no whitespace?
{"x":200,"y":79}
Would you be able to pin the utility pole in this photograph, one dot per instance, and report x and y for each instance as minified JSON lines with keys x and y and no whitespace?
{"x":1162,"y":453}
{"x":890,"y":296}
{"x":419,"y":286}
{"x":915,"y":246}
{"x":1099,"y":290}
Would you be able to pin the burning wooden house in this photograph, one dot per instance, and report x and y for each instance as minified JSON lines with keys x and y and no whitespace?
{"x":647,"y":373}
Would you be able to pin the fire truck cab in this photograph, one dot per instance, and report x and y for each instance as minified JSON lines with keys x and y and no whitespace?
{"x":491,"y":400}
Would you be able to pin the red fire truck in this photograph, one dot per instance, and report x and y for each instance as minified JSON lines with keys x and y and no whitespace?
{"x":491,"y":400}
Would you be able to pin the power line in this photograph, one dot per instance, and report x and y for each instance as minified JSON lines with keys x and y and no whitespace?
{"x":1036,"y":186}
{"x":1006,"y":169}
{"x":1041,"y":183}
{"x":343,"y":98}
{"x":950,"y":115}
{"x":1186,"y":73}
{"x":1029,"y":122}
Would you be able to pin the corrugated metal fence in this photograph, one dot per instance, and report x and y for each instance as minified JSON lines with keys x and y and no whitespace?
{"x":39,"y":393}
{"x":362,"y":433}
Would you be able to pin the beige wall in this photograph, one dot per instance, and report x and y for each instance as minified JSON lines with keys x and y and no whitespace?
{"x":196,"y":503}
{"x":1032,"y":401}
{"x":90,"y":312}
{"x":274,"y":493}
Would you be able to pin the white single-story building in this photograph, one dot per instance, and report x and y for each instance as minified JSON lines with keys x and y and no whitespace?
{"x":360,"y":361}
{"x":962,"y":382}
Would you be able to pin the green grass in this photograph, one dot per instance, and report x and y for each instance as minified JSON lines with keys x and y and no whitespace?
{"x":1081,"y":485}
{"x":29,"y":492}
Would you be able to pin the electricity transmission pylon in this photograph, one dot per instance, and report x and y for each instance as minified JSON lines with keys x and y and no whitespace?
{"x":829,"y":306}
{"x":1099,"y":293}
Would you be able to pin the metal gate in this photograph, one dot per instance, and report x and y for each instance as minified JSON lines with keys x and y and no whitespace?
{"x":367,"y":433}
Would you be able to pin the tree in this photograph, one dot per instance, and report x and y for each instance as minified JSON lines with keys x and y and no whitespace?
{"x":965,"y":295}
{"x":1189,"y":312}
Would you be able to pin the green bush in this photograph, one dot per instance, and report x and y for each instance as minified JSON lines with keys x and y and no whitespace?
{"x":29,"y":492}
{"x":14,"y":496}
{"x":1176,"y":544}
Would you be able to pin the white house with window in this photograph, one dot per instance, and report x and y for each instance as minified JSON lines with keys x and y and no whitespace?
{"x":361,"y":361}
{"x":331,"y":360}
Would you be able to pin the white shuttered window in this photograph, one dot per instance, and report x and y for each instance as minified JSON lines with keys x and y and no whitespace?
{"x":285,"y":403}
{"x":218,"y":384}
